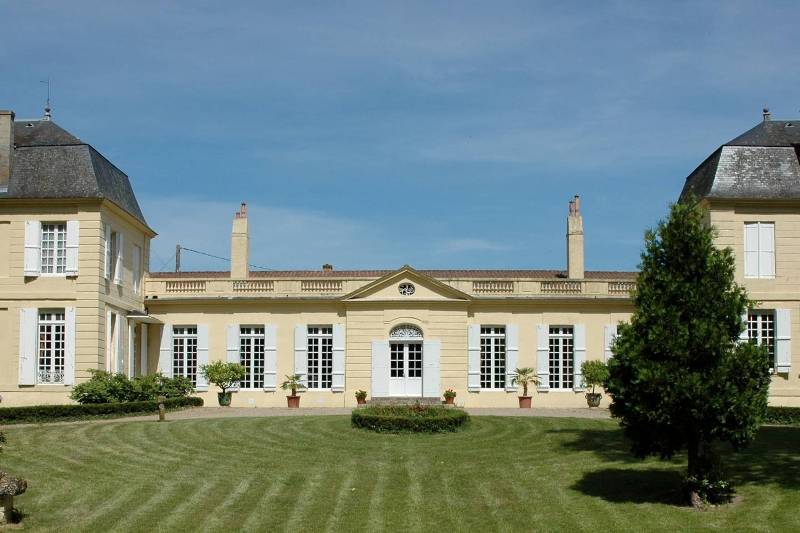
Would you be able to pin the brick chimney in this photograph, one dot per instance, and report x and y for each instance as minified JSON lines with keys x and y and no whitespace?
{"x":6,"y":147}
{"x":240,"y":245}
{"x":575,"y":240}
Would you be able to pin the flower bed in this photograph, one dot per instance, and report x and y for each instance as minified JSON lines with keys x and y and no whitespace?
{"x":409,"y":418}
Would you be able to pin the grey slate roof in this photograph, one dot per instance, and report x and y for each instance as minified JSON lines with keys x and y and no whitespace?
{"x":50,"y":162}
{"x":763,"y":163}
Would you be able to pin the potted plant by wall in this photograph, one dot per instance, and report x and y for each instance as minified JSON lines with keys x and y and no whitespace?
{"x":525,"y":376}
{"x":595,"y":374}
{"x":361,"y":397}
{"x":449,"y":396}
{"x":292,"y":383}
{"x":225,"y":376}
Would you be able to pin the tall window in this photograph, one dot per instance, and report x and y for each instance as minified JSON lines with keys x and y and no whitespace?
{"x":52,"y":345}
{"x":251,"y":356}
{"x":761,"y":330}
{"x":320,"y":357}
{"x":184,"y":352}
{"x":54,"y":247}
{"x":759,"y":249}
{"x":493,"y":357}
{"x":137,"y":268}
{"x":561,"y":357}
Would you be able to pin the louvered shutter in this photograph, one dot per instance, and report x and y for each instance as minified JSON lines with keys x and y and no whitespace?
{"x":543,"y":356}
{"x":744,"y":335}
{"x":33,"y":255}
{"x":301,"y":353}
{"x":69,"y":346}
{"x":119,"y":271}
{"x":609,"y":334}
{"x":107,"y":251}
{"x":431,"y":370}
{"x":73,"y":239}
{"x":766,"y":250}
{"x":380,"y":369}
{"x":131,"y":347}
{"x":338,"y":358}
{"x":751,"y":250}
{"x":512,"y":354}
{"x":143,"y":343}
{"x":270,"y":357}
{"x":121,"y":330}
{"x":28,"y":341}
{"x":233,"y":346}
{"x":201,"y":384}
{"x":579,"y":356}
{"x":474,"y":358}
{"x":165,"y":351}
{"x":783,"y":341}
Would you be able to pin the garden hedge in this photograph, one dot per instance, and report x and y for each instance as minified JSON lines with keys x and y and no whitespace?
{"x":782,"y":415}
{"x":59,"y":413}
{"x":405,"y":418}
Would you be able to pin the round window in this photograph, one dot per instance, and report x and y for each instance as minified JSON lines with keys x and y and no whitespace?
{"x":406,"y":289}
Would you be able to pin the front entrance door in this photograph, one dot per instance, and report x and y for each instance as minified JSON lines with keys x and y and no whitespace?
{"x":405,"y":369}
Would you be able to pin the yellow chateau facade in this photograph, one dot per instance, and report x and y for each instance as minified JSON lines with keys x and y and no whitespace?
{"x":76,"y":293}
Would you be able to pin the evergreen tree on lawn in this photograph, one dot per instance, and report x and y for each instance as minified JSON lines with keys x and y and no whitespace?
{"x":680,"y":378}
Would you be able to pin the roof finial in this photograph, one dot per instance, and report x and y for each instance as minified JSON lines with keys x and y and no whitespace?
{"x":765,"y":113}
{"x":47,"y":109}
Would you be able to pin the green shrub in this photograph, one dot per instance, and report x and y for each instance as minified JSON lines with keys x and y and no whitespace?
{"x":782,"y":415}
{"x":58,"y":413}
{"x":224,"y":375}
{"x":409,"y":418}
{"x":105,"y":387}
{"x":595,"y":374}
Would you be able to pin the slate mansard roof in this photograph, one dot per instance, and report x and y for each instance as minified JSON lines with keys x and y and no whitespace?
{"x":761,"y":164}
{"x":50,"y":162}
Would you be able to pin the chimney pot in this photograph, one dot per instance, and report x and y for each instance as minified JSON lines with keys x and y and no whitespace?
{"x":327,"y":267}
{"x":765,"y":114}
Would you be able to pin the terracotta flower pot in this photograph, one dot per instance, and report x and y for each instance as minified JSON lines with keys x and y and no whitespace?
{"x":524,"y":402}
{"x":361,"y":401}
{"x":293,"y":401}
{"x":449,"y":400}
{"x":224,"y":399}
{"x":593,"y":399}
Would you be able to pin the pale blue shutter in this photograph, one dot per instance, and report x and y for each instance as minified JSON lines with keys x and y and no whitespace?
{"x":73,"y":240}
{"x":28,"y":340}
{"x":474,"y":357}
{"x":301,"y":353}
{"x":69,"y":346}
{"x":380,"y":369}
{"x":579,"y":356}
{"x":201,"y":384}
{"x":783,"y":341}
{"x":107,"y":251}
{"x":512,"y":351}
{"x":165,"y":351}
{"x":431,"y":372}
{"x":119,"y":268}
{"x":609,"y":334}
{"x":270,"y":357}
{"x":232,"y":347}
{"x":120,"y":346}
{"x":32,"y":257}
{"x":338,"y":358}
{"x":543,"y":356}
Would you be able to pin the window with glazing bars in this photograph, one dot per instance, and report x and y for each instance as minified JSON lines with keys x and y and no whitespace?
{"x":251,"y":356}
{"x":493,"y":357}
{"x":184,"y":352}
{"x":54,"y":247}
{"x":320,"y":357}
{"x":52,"y":345}
{"x":761,"y":331}
{"x":561,"y":357}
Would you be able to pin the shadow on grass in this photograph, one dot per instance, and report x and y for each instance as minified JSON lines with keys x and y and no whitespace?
{"x":633,"y":486}
{"x":608,"y":444}
{"x":774,"y":459}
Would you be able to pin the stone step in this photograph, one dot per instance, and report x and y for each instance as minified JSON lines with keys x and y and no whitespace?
{"x":397,"y":400}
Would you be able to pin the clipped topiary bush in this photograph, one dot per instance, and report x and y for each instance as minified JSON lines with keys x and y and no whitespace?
{"x":60,"y":413}
{"x":782,"y":415}
{"x":105,"y":387}
{"x":409,"y":418}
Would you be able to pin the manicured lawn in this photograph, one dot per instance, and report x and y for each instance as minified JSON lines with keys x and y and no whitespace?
{"x":318,"y":474}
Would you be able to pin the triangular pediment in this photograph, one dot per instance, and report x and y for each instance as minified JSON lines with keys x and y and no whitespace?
{"x":407,"y":284}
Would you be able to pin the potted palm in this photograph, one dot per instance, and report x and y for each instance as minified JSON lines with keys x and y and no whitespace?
{"x":595,"y":374}
{"x":292,"y":383}
{"x":361,"y":397}
{"x":525,"y":376}
{"x":449,"y":396}
{"x":225,"y":376}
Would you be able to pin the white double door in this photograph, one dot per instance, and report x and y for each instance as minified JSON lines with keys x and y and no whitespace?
{"x":405,"y":369}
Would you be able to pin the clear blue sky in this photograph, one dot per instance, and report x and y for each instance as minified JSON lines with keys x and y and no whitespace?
{"x":370,"y":135}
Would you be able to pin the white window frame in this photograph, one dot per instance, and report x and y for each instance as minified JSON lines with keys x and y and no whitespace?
{"x":757,"y":254}
{"x":57,"y":247}
{"x":493,"y":351}
{"x":137,"y":268}
{"x":252,"y":343}
{"x":561,"y":357}
{"x":761,"y":328}
{"x":51,"y":322}
{"x":184,"y":351}
{"x":111,"y":254}
{"x":319,"y":343}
